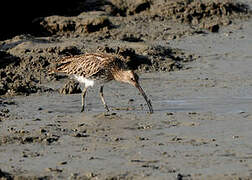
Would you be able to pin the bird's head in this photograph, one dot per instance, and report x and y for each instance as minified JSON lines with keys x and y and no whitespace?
{"x":132,"y":78}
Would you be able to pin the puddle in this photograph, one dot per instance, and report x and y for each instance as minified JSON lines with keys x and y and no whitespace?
{"x":219,"y":105}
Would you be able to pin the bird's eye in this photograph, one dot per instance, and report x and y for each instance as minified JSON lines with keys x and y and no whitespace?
{"x":132,"y":79}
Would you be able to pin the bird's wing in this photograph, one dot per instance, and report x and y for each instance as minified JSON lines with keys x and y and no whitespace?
{"x":85,"y":65}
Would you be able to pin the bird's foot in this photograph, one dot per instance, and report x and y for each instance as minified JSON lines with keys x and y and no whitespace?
{"x":82,"y":109}
{"x":106,"y":107}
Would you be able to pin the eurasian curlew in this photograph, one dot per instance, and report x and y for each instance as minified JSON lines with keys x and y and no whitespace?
{"x":99,"y":68}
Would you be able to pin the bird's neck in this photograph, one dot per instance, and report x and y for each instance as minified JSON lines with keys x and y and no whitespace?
{"x":119,"y":75}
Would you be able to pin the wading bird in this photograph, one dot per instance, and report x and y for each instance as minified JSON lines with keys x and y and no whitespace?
{"x":99,"y":68}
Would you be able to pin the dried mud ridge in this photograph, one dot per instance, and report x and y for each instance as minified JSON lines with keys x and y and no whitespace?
{"x":137,"y":30}
{"x":200,"y":14}
{"x":26,"y":71}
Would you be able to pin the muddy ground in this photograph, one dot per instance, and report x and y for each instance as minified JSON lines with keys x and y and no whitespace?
{"x":194,"y":61}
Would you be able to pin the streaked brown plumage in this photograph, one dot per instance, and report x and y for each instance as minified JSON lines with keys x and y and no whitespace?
{"x":91,"y":67}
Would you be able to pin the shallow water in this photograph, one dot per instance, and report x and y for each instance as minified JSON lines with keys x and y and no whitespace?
{"x":213,"y":104}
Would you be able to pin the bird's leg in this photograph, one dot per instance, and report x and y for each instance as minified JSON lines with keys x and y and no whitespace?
{"x":83,"y":95}
{"x":102,"y":98}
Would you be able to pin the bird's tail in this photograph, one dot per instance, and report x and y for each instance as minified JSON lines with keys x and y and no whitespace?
{"x":59,"y":65}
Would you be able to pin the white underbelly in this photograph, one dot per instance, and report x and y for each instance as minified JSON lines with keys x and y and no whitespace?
{"x":83,"y":80}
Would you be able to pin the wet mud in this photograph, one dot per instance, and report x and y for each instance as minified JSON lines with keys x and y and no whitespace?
{"x":194,"y":62}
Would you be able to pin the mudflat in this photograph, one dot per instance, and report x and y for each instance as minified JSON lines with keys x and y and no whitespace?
{"x":194,"y":60}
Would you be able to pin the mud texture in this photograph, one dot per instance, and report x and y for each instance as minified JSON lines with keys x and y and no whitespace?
{"x":194,"y":62}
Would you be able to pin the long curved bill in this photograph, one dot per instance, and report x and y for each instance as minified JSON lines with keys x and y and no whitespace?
{"x":145,"y":97}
